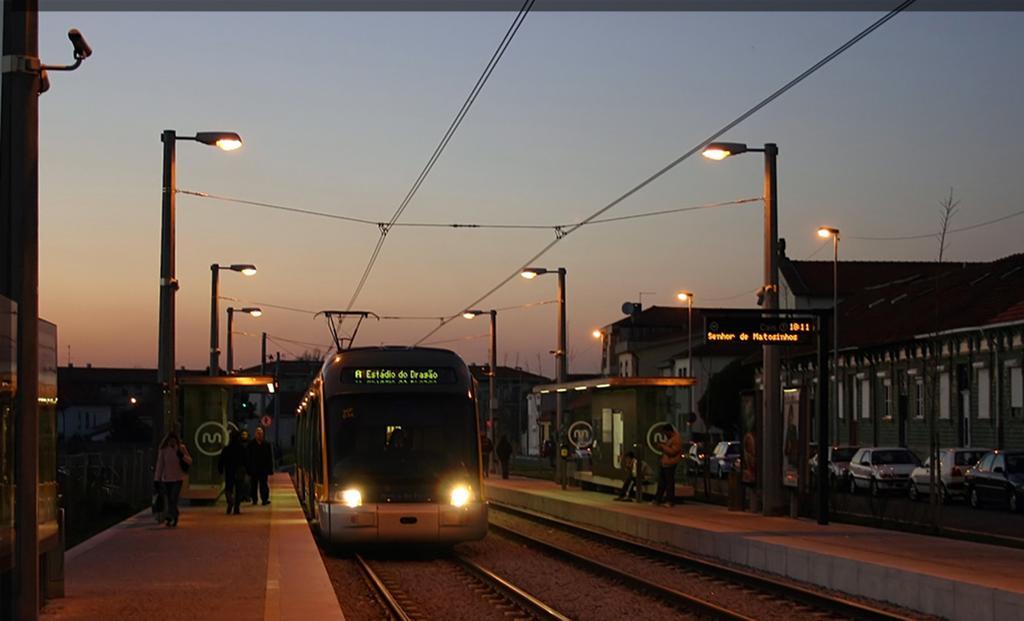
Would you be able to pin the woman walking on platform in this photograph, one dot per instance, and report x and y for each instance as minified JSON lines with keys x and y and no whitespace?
{"x":172,"y":462}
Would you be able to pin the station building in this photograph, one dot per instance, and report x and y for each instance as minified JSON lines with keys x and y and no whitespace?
{"x":924,"y":348}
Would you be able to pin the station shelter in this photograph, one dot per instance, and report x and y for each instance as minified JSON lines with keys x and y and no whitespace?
{"x":622,"y":414}
{"x":211,"y":407}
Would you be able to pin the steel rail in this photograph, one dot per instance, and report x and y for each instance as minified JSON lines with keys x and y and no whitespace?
{"x":519,"y":596}
{"x":791,"y":592}
{"x":694,"y":604}
{"x":378,"y":585}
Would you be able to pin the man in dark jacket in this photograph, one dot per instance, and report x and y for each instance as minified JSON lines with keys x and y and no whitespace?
{"x":261,"y":465}
{"x":504,"y":451}
{"x":231,"y":463}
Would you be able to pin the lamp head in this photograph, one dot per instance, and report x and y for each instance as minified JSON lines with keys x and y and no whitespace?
{"x":685,"y":296}
{"x":722,"y":150}
{"x":246,"y":268}
{"x":471,"y":314}
{"x":226,"y":141}
{"x":825,"y":232}
{"x":531,"y":272}
{"x":596,"y":334}
{"x":252,"y":310}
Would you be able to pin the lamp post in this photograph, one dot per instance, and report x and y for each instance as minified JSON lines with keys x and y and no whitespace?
{"x":686,"y":296}
{"x":492,"y":388}
{"x":248,"y":270}
{"x":251,"y":310}
{"x":770,"y":470}
{"x":227,"y":141}
{"x":562,"y":369}
{"x":826,"y":232}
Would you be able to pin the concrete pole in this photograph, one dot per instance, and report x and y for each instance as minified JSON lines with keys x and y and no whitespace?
{"x":771,"y":431}
{"x":562,"y":374}
{"x":689,"y":347}
{"x":231,"y":350}
{"x":492,"y":388}
{"x":835,"y":336}
{"x":214,"y":320}
{"x":19,"y":233}
{"x":168,"y":287}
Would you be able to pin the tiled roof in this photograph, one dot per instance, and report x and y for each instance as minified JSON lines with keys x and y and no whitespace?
{"x":814,"y":278}
{"x":953,"y":296}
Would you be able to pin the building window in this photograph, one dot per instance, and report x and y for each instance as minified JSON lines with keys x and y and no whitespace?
{"x":919,"y":387}
{"x":984,"y":400}
{"x":887,"y":399}
{"x":865,"y":399}
{"x":944,"y":396}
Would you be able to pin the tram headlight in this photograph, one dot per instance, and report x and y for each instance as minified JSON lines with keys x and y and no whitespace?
{"x":351,"y":498}
{"x":461,"y":495}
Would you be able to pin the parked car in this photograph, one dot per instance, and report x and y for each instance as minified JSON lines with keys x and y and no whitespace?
{"x":998,"y":478}
{"x":881,"y":468}
{"x":953,"y":464}
{"x":724,"y":458}
{"x":838,"y":464}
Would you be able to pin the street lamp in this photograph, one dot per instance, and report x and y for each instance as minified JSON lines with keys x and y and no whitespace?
{"x":562,"y":369}
{"x":246,"y":269}
{"x":686,"y":296}
{"x":771,"y":432}
{"x":596,"y":334}
{"x":492,"y":389}
{"x":825,"y":232}
{"x":227,"y":141}
{"x":250,"y":310}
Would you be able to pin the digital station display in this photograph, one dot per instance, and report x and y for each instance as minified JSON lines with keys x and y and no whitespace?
{"x":760,"y":330}
{"x":398,"y":376}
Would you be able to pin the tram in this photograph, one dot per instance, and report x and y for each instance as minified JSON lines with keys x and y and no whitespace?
{"x":388,"y":448}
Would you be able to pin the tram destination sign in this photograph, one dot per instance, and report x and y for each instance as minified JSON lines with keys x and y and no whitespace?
{"x":753,"y":327}
{"x":398,"y":376}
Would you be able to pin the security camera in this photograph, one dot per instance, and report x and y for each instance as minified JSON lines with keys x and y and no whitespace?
{"x":82,"y":49}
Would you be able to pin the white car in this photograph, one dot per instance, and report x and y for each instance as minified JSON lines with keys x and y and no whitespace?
{"x":953,"y":464}
{"x":881,"y":468}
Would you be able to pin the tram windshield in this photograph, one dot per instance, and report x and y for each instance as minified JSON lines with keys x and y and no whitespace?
{"x":400,"y":447}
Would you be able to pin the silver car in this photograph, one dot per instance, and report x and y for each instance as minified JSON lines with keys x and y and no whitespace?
{"x":953,"y":464}
{"x":881,"y":468}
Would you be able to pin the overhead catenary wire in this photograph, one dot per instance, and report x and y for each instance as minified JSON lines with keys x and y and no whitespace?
{"x":714,"y":136}
{"x":476,"y":225}
{"x":961,"y":229}
{"x":452,"y":128}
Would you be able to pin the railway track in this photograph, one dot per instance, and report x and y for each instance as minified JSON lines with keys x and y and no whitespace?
{"x":716,"y":578}
{"x":506,"y":600}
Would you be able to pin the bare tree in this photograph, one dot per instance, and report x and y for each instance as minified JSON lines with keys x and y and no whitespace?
{"x":948,"y":208}
{"x":314,"y":355}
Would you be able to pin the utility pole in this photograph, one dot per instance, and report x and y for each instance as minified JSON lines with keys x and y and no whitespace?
{"x":168,"y":287}
{"x":493,"y":384}
{"x":19,"y":234}
{"x":563,"y":374}
{"x":771,"y":431}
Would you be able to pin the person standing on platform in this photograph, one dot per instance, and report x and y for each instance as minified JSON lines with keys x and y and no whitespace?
{"x":172,"y":462}
{"x":671,"y":453}
{"x":486,"y":447}
{"x":243,"y":436}
{"x":504,"y":451}
{"x":232,"y":463}
{"x":261,"y":465}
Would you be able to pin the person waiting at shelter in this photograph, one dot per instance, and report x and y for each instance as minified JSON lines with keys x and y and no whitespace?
{"x":504,"y":451}
{"x":261,"y":465}
{"x":671,"y":454}
{"x":232,"y":464}
{"x":636,"y":475}
{"x":486,"y":447}
{"x":172,"y":462}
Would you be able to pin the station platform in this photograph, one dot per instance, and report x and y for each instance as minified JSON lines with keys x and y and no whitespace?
{"x":952,"y":579}
{"x":262,"y":564}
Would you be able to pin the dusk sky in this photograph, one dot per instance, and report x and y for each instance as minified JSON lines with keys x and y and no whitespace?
{"x":340,"y":111}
